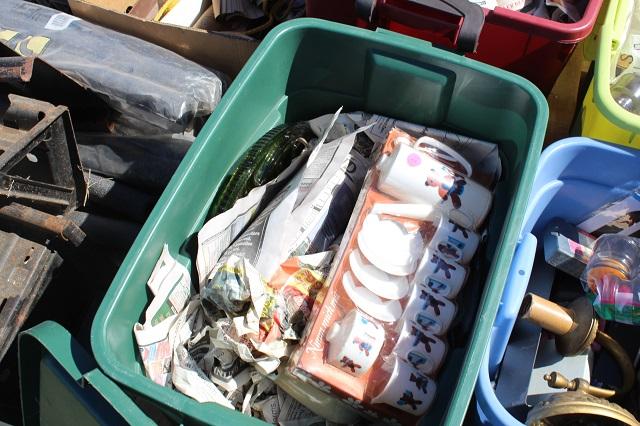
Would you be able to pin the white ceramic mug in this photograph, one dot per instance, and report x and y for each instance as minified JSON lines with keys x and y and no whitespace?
{"x":443,"y":277}
{"x":413,"y":176}
{"x":423,"y":350}
{"x":354,"y":343}
{"x":432,"y":312}
{"x":407,"y":388}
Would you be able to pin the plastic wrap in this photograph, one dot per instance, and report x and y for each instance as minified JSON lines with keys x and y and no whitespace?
{"x":378,"y":340}
{"x":142,"y":81}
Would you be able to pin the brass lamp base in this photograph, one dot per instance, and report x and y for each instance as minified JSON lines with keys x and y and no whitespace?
{"x":579,"y":408}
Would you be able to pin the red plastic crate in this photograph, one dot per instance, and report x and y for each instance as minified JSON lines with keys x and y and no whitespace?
{"x":533,"y":47}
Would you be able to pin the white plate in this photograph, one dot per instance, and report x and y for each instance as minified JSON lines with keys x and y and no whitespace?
{"x":388,"y":286}
{"x":369,"y":303}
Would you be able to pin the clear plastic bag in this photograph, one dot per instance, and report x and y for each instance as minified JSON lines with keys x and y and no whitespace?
{"x":138,"y":79}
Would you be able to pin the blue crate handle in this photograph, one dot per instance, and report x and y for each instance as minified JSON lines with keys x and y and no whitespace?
{"x":490,"y":411}
{"x":471,"y":14}
{"x":518,"y":280}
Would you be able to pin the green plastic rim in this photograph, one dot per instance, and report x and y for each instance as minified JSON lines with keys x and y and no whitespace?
{"x":611,"y":38}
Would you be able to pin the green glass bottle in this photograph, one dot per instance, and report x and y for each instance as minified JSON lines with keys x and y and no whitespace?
{"x":261,"y":163}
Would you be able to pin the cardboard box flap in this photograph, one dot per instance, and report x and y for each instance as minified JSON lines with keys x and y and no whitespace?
{"x":221,"y":51}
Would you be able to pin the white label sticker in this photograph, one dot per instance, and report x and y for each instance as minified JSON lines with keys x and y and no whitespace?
{"x":635,"y":51}
{"x":60,"y":21}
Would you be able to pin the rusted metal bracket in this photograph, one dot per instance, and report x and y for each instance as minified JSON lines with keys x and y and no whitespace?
{"x":57,"y":225}
{"x":15,"y":69}
{"x":34,"y":78}
{"x":25,"y":272}
{"x":39,"y":162}
{"x":41,"y":183}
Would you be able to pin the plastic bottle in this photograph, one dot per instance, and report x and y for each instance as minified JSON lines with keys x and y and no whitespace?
{"x":625,"y":72}
{"x":626,"y":92}
{"x":611,"y":277}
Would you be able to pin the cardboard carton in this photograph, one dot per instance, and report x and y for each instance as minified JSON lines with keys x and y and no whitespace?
{"x":226,"y":52}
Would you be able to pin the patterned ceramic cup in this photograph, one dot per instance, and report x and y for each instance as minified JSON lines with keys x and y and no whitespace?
{"x":443,"y":277}
{"x":423,"y":350}
{"x":407,"y":388}
{"x":354,"y":343}
{"x":432,"y":312}
{"x":453,"y":242}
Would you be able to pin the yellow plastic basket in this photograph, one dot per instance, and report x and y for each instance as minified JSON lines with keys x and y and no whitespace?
{"x":602,"y":118}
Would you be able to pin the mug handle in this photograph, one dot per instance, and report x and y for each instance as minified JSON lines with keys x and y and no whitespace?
{"x":411,"y":210}
{"x":448,"y":150}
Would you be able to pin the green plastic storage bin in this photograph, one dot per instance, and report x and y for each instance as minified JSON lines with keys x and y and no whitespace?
{"x":60,"y":384}
{"x":303,"y":69}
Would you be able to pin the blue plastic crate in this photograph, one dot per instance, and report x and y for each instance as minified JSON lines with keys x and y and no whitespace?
{"x":575,"y":176}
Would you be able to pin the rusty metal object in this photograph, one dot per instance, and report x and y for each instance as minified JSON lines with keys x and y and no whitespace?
{"x":58,"y":225}
{"x":47,"y":84}
{"x":39,"y":161}
{"x":41,"y":184}
{"x":25,"y":271}
{"x":15,"y":69}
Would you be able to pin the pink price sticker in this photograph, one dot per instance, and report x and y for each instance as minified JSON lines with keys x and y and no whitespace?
{"x":414,"y":160}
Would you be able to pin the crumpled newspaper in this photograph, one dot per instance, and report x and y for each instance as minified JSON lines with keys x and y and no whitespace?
{"x":279,"y":309}
{"x":211,"y":363}
{"x":191,"y":345}
{"x":299,"y":220}
{"x":288,"y":298}
{"x":170,"y":284}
